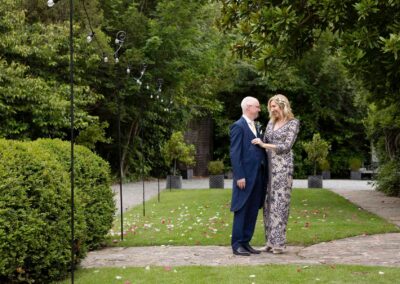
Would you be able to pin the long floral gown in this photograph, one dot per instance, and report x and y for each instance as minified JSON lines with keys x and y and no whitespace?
{"x":280,"y":180}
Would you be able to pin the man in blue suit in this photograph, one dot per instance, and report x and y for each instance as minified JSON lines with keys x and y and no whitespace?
{"x":248,"y":191}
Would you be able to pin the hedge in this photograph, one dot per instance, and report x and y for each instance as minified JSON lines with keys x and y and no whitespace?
{"x":92,"y":185}
{"x":35,"y":208}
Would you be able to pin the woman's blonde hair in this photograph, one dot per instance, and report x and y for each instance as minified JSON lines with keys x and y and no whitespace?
{"x":283,"y":104}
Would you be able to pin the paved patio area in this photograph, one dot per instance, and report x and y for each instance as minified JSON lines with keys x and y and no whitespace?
{"x":381,"y":250}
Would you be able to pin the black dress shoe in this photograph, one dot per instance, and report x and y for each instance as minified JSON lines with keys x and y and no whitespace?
{"x":241,"y":251}
{"x":250,"y":249}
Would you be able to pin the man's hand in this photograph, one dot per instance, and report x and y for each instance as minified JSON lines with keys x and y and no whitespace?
{"x":241,"y":183}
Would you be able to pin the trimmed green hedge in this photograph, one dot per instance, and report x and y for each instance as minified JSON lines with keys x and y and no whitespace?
{"x":92,"y":185}
{"x":35,"y":208}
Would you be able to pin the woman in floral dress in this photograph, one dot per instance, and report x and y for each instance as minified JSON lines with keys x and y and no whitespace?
{"x":280,"y":135}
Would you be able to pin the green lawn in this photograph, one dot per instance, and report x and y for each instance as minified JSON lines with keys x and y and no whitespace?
{"x":202,"y":217}
{"x":240,"y":274}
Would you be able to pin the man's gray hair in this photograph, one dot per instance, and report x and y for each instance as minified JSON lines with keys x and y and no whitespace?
{"x":246,"y":102}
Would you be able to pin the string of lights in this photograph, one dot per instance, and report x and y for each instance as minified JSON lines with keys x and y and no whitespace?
{"x":119,"y":42}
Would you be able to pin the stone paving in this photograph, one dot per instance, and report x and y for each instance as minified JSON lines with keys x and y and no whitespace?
{"x":380,"y":250}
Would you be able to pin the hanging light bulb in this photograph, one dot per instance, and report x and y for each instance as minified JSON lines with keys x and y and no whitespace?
{"x":143,"y":69}
{"x":147,"y":87}
{"x":90,"y":36}
{"x":160,"y":83}
{"x":50,"y":3}
{"x":105,"y":58}
{"x":128,"y":70}
{"x":116,"y":60}
{"x":151,"y":96}
{"x":138,"y":82}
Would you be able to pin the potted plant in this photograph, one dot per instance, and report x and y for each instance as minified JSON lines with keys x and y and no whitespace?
{"x":355,"y":165}
{"x":325,"y":168}
{"x":216,"y":171}
{"x":317,"y":150}
{"x":177,"y":150}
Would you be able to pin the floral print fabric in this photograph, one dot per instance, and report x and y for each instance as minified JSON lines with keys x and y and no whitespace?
{"x":280,"y":180}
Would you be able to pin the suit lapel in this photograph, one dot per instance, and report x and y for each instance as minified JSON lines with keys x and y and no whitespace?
{"x":247,"y":127}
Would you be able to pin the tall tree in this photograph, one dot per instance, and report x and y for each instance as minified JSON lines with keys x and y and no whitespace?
{"x":277,"y":32}
{"x":180,"y":44}
{"x":34,"y":89}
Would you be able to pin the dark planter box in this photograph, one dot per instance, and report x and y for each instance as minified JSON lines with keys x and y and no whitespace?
{"x":187,"y":174}
{"x":229,"y":175}
{"x":174,"y":182}
{"x":216,"y":181}
{"x":355,"y":175}
{"x":326,"y":174}
{"x":315,"y":181}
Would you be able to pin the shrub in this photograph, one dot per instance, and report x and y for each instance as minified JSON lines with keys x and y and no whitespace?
{"x":388,"y":178}
{"x":34,"y":215}
{"x":176,"y":150}
{"x":317,"y":150}
{"x":215,"y":167}
{"x":35,"y":208}
{"x":92,"y":185}
{"x":324,"y":165}
{"x":355,"y":163}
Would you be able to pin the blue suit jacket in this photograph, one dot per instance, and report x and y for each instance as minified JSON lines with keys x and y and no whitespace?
{"x":246,"y":160}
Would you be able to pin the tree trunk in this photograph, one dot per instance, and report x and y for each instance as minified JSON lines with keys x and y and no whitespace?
{"x":174,"y":167}
{"x":133,"y":130}
{"x":315,"y":168}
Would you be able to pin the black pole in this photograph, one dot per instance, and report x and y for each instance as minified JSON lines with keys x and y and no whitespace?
{"x":144,"y":197}
{"x":71,"y":78}
{"x":158,"y":181}
{"x":142,"y":165}
{"x":120,"y":166}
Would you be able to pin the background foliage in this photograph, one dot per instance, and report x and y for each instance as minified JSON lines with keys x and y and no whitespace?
{"x":336,"y":62}
{"x":366,"y":38}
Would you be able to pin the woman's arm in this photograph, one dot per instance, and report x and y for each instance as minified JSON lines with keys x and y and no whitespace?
{"x":286,"y":145}
{"x":293,"y":130}
{"x":268,"y":146}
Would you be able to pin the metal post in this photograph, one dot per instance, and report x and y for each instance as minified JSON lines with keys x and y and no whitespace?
{"x":71,"y":78}
{"x":158,"y":181}
{"x":142,"y":166}
{"x":120,"y":166}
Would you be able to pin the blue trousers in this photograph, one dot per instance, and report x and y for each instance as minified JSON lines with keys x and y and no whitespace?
{"x":244,"y":220}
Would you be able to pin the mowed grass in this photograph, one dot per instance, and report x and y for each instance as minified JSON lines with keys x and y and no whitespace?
{"x":240,"y":274}
{"x":202,"y":217}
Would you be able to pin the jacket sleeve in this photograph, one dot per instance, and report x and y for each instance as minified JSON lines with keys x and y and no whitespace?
{"x":236,"y":139}
{"x":286,"y":146}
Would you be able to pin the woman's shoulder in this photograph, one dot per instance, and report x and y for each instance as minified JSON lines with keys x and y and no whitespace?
{"x":294,"y":121}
